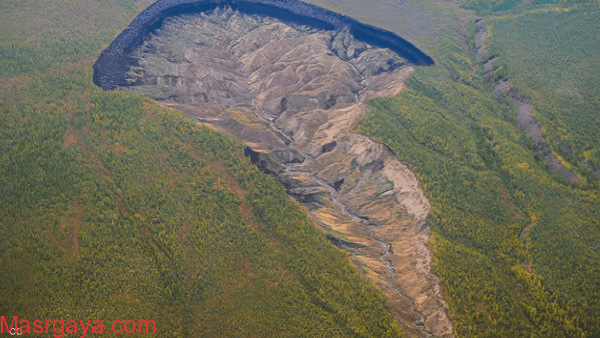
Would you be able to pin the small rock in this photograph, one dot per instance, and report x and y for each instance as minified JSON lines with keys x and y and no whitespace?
{"x":328,"y":147}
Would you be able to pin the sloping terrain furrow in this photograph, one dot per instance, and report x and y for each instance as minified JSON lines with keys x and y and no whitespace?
{"x":524,"y":118}
{"x":515,"y":241}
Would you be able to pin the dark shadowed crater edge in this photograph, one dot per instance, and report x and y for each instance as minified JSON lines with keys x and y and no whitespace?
{"x":110,"y":70}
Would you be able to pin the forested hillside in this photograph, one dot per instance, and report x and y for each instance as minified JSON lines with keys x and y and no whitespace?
{"x":114,"y":208}
{"x":516,"y":246}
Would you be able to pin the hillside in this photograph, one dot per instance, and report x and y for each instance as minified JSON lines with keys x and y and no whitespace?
{"x":463,"y":198}
{"x":515,"y":198}
{"x":115,"y":208}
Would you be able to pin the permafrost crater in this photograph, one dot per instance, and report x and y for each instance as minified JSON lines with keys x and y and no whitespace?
{"x":293,"y":94}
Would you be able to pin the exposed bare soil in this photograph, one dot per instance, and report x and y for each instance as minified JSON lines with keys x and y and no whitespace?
{"x":294,"y":96}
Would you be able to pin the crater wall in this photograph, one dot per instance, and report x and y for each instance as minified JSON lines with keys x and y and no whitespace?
{"x":113,"y":64}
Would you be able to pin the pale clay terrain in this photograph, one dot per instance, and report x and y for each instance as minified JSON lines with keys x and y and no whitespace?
{"x":294,"y":96}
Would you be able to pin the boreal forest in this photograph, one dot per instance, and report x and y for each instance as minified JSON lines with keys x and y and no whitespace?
{"x":115,"y":206}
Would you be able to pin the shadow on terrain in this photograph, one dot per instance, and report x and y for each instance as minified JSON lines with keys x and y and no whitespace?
{"x":111,"y":68}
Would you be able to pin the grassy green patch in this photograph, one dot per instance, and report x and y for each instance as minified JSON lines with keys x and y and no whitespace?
{"x":486,"y":183}
{"x":114,"y":208}
{"x":551,"y":56}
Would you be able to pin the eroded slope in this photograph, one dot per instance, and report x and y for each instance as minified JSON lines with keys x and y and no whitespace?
{"x":294,"y":94}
